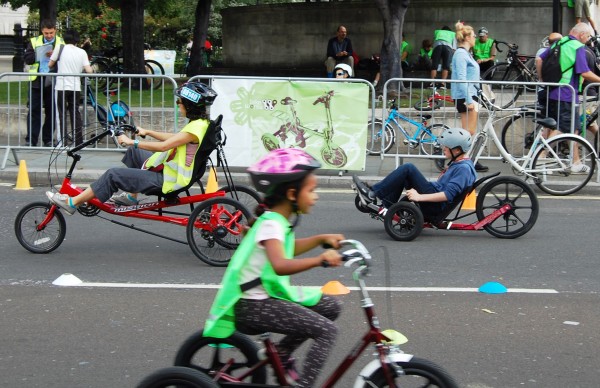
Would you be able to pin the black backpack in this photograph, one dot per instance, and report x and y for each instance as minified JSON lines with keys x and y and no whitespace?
{"x":551,"y":71}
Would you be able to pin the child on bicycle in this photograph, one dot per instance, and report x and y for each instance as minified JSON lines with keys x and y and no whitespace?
{"x":431,"y":196}
{"x":152,"y":166}
{"x":256,"y":295}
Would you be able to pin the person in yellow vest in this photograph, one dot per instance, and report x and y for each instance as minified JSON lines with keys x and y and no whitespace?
{"x":405,"y":51}
{"x":37,"y":56}
{"x":424,"y":59}
{"x":256,"y":295}
{"x":484,"y":50}
{"x":165,"y":165}
{"x":575,"y":69}
{"x":444,"y":44}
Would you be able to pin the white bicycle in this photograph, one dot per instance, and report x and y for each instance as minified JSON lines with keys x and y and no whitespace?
{"x":551,"y":163}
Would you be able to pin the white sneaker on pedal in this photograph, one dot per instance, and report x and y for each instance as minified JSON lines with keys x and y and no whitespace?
{"x":123,"y":199}
{"x":580,"y":168}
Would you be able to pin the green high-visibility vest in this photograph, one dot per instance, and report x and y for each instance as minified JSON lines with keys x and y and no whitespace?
{"x":37,"y":42}
{"x":568,"y":52}
{"x":444,"y":35}
{"x":424,"y":53}
{"x":221,"y":320}
{"x":571,"y":3}
{"x":483,"y":50}
{"x":176,"y":174}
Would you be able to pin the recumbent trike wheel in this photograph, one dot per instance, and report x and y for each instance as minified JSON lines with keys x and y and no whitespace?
{"x":214,"y":229}
{"x":403,"y":221}
{"x":519,"y":195}
{"x":36,"y":239}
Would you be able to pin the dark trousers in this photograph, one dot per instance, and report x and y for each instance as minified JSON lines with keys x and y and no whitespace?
{"x":40,"y":97}
{"x":68,"y":110}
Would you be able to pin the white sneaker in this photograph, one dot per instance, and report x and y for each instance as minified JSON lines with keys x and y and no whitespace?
{"x":580,"y":168}
{"x":123,"y":199}
{"x":62,"y":201}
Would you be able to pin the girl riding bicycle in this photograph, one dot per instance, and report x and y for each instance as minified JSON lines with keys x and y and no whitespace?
{"x":159,"y":166}
{"x":256,"y":295}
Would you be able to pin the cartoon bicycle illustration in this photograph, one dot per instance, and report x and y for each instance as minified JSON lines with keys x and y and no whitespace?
{"x":298,"y":134}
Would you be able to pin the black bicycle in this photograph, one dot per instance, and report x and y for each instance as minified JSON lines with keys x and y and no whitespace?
{"x":111,"y":62}
{"x":516,"y":68}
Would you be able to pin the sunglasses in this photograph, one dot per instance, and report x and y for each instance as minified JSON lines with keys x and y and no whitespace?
{"x":340,"y":73}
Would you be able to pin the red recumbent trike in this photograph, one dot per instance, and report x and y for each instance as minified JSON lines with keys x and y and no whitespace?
{"x":214,"y":222}
{"x":506,"y":207}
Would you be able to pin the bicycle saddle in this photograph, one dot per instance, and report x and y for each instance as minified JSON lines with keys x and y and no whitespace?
{"x":547,"y":122}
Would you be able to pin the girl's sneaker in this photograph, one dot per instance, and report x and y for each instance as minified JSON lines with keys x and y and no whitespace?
{"x":63,"y":201}
{"x":123,"y":199}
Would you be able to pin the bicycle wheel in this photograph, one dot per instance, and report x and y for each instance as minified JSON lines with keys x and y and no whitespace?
{"x":554,"y":168}
{"x":154,"y":68}
{"x":518,"y":134}
{"x":177,"y":376}
{"x":429,"y":139}
{"x":246,"y":195}
{"x":417,"y":372}
{"x":403,"y":221}
{"x":209,"y":355}
{"x":334,"y":155}
{"x":214,"y":229}
{"x":506,"y":95}
{"x":427,"y":105}
{"x":36,"y":239}
{"x":378,"y":138}
{"x":524,"y":206}
{"x":100,"y":67}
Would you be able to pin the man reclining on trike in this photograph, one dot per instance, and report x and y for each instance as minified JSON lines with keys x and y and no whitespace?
{"x":163,"y":166}
{"x":433,"y":197}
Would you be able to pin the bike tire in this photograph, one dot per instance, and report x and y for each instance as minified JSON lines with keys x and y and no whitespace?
{"x":100,"y":67}
{"x":555,"y":180}
{"x":428,"y":140}
{"x":214,"y":229}
{"x":519,"y":132}
{"x":154,"y":68}
{"x":417,"y":372}
{"x":40,"y":241}
{"x":334,"y":155}
{"x":359,"y":206}
{"x":522,"y":199}
{"x":209,"y":355}
{"x":379,"y":138}
{"x":427,"y":105}
{"x":177,"y":376}
{"x":246,"y":195}
{"x":506,"y":95}
{"x":403,"y":221}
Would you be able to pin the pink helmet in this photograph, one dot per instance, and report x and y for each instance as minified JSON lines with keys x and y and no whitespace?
{"x":283,"y":165}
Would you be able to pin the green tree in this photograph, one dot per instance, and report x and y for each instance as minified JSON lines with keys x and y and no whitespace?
{"x":47,"y":8}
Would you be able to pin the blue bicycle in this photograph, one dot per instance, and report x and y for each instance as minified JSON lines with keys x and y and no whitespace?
{"x":382,"y":136}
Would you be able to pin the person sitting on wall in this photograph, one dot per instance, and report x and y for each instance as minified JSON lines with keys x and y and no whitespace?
{"x":339,"y":50}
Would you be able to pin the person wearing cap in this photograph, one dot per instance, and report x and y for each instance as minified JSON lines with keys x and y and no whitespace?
{"x":342,"y":70}
{"x":484,"y":50}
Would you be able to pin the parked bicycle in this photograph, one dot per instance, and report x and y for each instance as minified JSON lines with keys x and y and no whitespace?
{"x":550,"y":163}
{"x":516,"y":68}
{"x":236,"y":360}
{"x":435,"y":101}
{"x":111,"y":62}
{"x":381,"y":136}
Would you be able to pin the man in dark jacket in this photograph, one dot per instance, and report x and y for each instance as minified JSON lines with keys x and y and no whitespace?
{"x":339,"y":50}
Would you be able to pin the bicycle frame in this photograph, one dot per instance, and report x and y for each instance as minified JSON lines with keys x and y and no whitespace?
{"x":421,"y":127}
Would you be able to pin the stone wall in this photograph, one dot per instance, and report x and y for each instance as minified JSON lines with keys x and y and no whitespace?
{"x":295,"y":35}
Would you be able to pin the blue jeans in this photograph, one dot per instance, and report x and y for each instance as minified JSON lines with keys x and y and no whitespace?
{"x":407,"y":177}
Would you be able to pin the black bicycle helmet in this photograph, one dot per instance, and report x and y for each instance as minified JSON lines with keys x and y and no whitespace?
{"x":195,"y":97}
{"x":282,"y":165}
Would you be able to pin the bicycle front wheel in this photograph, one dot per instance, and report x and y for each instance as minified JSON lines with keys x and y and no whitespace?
{"x":502,"y":191}
{"x":178,"y":376}
{"x":557,"y":169}
{"x":214,"y":229}
{"x":34,"y":238}
{"x":417,"y":372}
{"x":154,"y":68}
{"x":518,"y":134}
{"x":379,"y":138}
{"x":506,"y":95}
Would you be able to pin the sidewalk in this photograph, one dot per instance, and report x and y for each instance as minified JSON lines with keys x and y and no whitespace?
{"x":94,"y":162}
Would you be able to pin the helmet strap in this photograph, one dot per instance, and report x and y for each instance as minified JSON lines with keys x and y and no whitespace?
{"x":453,"y":158}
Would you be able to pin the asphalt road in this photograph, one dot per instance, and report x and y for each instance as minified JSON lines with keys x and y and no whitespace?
{"x":113,"y":334}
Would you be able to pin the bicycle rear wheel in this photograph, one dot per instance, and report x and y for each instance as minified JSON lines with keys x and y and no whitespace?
{"x":177,"y":376}
{"x":512,"y":191}
{"x":428,"y":105}
{"x":506,"y":95}
{"x":379,"y":138}
{"x":246,"y":195}
{"x":556,"y":173}
{"x":417,"y":372}
{"x":214,"y":229}
{"x":519,"y":132}
{"x":154,"y":68}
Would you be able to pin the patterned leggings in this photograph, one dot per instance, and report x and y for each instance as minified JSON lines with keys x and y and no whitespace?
{"x":298,"y":323}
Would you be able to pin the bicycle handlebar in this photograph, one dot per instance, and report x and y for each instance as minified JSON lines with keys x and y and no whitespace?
{"x":511,"y":46}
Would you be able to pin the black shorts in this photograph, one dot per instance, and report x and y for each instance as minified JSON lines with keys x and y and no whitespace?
{"x":460,"y":104}
{"x":442,"y":54}
{"x":561,"y":112}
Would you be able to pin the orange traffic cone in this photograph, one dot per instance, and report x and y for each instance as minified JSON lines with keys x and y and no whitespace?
{"x":23,"y":177}
{"x":469,"y":202}
{"x":212,"y":185}
{"x":334,"y":288}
